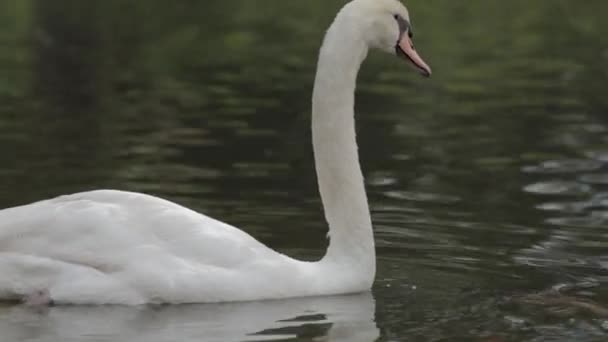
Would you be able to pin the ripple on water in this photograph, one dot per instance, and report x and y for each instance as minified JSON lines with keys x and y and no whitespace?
{"x":564,"y":207}
{"x":558,"y":187}
{"x":563,"y":166}
{"x":597,"y":201}
{"x":594,"y":179}
{"x":422,"y":197}
{"x":594,"y":219}
{"x":381,"y":179}
{"x":601,"y":156}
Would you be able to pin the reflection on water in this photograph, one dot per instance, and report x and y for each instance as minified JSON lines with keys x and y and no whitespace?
{"x":488,"y":183}
{"x":340,"y":318}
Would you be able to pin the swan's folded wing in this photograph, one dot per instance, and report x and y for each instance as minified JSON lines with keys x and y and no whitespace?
{"x":110,"y":230}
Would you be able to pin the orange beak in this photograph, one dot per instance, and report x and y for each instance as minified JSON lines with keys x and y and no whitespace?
{"x":406,"y":46}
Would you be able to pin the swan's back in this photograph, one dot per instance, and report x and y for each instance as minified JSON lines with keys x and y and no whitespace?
{"x":132,"y":239}
{"x":98,"y":222}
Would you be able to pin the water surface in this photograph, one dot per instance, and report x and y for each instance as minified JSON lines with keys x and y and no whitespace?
{"x":488,"y":183}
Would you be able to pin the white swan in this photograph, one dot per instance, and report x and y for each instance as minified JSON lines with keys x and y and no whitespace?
{"x":106,"y":246}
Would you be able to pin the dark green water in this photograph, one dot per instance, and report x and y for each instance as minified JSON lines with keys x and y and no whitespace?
{"x":488,"y":183}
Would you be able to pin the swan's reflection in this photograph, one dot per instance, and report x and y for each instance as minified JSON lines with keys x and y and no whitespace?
{"x":339,"y":318}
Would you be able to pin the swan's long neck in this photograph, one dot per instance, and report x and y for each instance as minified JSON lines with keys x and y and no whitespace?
{"x":335,"y":149}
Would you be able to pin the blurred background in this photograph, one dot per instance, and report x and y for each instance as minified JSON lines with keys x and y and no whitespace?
{"x":488,"y":183}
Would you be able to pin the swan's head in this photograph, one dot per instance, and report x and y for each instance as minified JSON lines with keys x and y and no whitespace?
{"x":386,"y":26}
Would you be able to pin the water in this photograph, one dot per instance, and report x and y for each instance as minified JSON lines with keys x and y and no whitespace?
{"x":488,"y":183}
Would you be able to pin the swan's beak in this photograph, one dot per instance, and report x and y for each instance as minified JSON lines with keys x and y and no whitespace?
{"x":406,"y":47}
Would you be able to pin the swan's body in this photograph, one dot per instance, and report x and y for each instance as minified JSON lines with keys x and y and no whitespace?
{"x":110,"y":246}
{"x":119,"y":247}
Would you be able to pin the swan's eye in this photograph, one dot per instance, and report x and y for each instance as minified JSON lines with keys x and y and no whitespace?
{"x":404,"y":25}
{"x":410,"y":33}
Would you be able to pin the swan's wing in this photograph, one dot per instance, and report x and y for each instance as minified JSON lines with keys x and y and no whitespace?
{"x":108,"y":230}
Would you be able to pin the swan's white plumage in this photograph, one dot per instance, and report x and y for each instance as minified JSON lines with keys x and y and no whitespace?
{"x":119,"y":247}
{"x":110,"y":246}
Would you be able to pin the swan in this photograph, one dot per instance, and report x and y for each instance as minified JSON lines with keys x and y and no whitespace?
{"x":116,"y":247}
